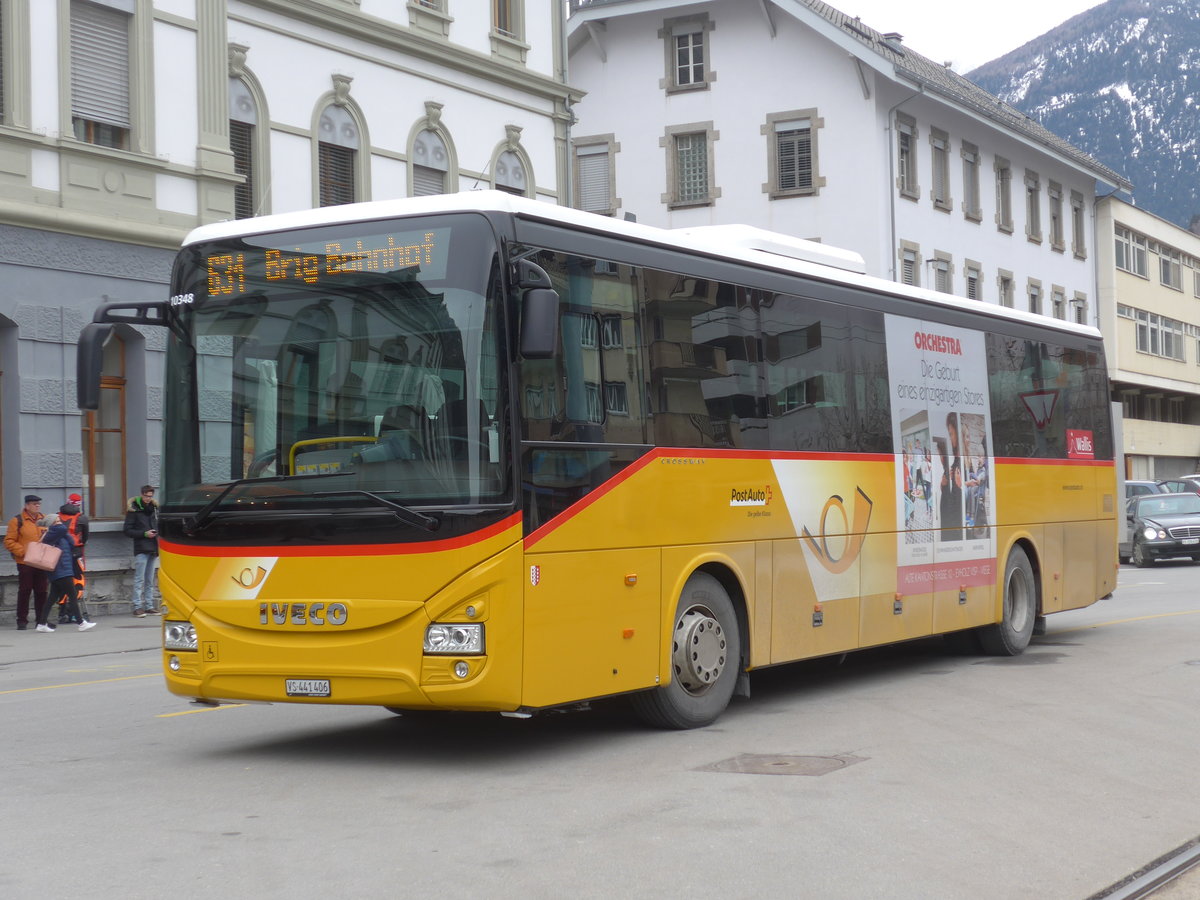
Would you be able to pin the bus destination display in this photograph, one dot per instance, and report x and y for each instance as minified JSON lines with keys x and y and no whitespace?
{"x":238,"y":271}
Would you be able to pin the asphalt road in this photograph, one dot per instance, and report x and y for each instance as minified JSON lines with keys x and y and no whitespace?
{"x":903,"y":773}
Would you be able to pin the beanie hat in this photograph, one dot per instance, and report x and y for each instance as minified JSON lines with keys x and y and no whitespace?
{"x":68,"y":509}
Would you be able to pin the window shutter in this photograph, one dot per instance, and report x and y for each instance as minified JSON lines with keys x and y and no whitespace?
{"x":336,"y":174}
{"x":794,"y":148}
{"x":100,"y":64}
{"x":241,"y":142}
{"x":594,"y":179}
{"x":427,"y":181}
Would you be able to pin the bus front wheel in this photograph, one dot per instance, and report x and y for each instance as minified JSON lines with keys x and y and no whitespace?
{"x":705,"y":657}
{"x":1011,"y":634}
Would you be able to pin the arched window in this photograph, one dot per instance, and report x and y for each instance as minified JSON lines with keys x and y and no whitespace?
{"x":511,"y":175}
{"x":337,"y":156}
{"x":243,"y":124}
{"x":103,"y":438}
{"x":430,"y":164}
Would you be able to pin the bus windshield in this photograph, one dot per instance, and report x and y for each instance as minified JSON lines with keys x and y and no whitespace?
{"x":338,"y":362}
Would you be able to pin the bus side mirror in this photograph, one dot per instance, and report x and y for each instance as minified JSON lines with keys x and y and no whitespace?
{"x":539,"y":323}
{"x":89,"y":357}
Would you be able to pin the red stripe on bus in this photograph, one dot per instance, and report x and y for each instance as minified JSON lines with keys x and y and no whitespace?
{"x":673,"y":453}
{"x":454,"y":543}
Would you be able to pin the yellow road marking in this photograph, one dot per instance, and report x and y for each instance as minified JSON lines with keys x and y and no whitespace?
{"x":1186,"y":612}
{"x":188,"y":712}
{"x":51,"y":687}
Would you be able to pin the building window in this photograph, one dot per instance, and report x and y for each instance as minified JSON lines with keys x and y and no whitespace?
{"x":1170,"y":267}
{"x":1004,"y":288}
{"x":971,"y":200}
{"x":506,"y":17}
{"x":1033,"y":206}
{"x":939,"y":143}
{"x":910,"y":264}
{"x":974,"y":281}
{"x":507,"y":36}
{"x":943,"y":273}
{"x":792,"y":153}
{"x":511,"y":176}
{"x":691,"y":168}
{"x":1078,"y":236}
{"x":616,"y":398}
{"x":690,"y":165}
{"x":1130,"y":251}
{"x":1035,"y":296}
{"x":430,"y":164}
{"x":100,"y":82}
{"x":906,"y":157}
{"x":1158,"y":335}
{"x":337,"y":152}
{"x":1059,"y":302}
{"x":243,"y":124}
{"x":1004,"y":220}
{"x":611,"y":336}
{"x":594,"y":176}
{"x":1057,"y":240}
{"x":103,"y":438}
{"x":685,"y":41}
{"x":1196,"y":279}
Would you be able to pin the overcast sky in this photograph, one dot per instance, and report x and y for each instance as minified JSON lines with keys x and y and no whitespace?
{"x":966,"y":34}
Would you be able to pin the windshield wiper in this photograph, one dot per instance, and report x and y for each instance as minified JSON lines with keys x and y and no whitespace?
{"x":401,"y":512}
{"x":205,"y":514}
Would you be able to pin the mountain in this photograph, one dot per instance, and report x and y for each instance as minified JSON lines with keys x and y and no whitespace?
{"x":1120,"y":81}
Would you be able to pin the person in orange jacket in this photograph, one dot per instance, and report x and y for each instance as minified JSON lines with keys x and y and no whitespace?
{"x":23,"y":530}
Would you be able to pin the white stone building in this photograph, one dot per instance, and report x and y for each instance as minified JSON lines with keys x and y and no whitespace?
{"x":792,"y":116}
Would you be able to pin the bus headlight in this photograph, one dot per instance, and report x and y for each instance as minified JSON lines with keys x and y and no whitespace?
{"x":454,"y":639}
{"x":179,"y":636}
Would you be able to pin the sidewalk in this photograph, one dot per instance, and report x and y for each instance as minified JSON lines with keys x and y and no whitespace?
{"x":112,"y":634}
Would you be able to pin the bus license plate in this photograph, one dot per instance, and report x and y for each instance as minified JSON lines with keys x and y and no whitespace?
{"x":307,"y":687}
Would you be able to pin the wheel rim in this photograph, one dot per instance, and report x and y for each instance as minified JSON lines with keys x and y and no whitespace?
{"x":1138,"y":557}
{"x":1018,"y":594}
{"x":699,"y":653}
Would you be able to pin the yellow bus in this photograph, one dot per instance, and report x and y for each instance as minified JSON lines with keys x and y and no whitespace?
{"x":478,"y":452}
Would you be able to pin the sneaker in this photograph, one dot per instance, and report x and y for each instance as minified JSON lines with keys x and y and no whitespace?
{"x":139,"y":613}
{"x":22,"y":626}
{"x":44,"y":628}
{"x":153,"y":611}
{"x":84,"y":626}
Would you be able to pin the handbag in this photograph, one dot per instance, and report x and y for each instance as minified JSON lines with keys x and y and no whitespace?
{"x":41,"y":556}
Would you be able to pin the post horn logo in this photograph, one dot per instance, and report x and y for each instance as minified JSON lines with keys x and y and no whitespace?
{"x":855,"y":532}
{"x":249,"y":578}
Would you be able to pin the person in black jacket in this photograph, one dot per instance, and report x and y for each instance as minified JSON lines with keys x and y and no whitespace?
{"x":141,"y":524}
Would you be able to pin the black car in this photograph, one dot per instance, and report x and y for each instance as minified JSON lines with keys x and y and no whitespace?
{"x":1162,"y":526}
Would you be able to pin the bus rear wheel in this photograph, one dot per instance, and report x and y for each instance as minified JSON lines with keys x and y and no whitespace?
{"x":705,"y":657}
{"x":1011,"y":634}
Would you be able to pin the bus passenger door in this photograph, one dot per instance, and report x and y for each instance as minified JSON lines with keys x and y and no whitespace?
{"x":591,"y":624}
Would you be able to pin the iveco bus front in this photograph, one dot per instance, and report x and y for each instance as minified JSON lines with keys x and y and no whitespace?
{"x":338,"y":516}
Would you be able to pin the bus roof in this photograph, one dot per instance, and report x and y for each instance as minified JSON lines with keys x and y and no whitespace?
{"x":738,"y":243}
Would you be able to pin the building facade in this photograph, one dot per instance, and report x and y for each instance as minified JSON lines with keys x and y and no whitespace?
{"x":1149,"y":290}
{"x":137,"y":120}
{"x":795,"y":117}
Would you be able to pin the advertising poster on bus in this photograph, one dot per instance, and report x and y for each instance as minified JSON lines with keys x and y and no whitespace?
{"x":943,"y":444}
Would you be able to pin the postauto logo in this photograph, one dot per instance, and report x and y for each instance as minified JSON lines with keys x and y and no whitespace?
{"x":754,"y":496}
